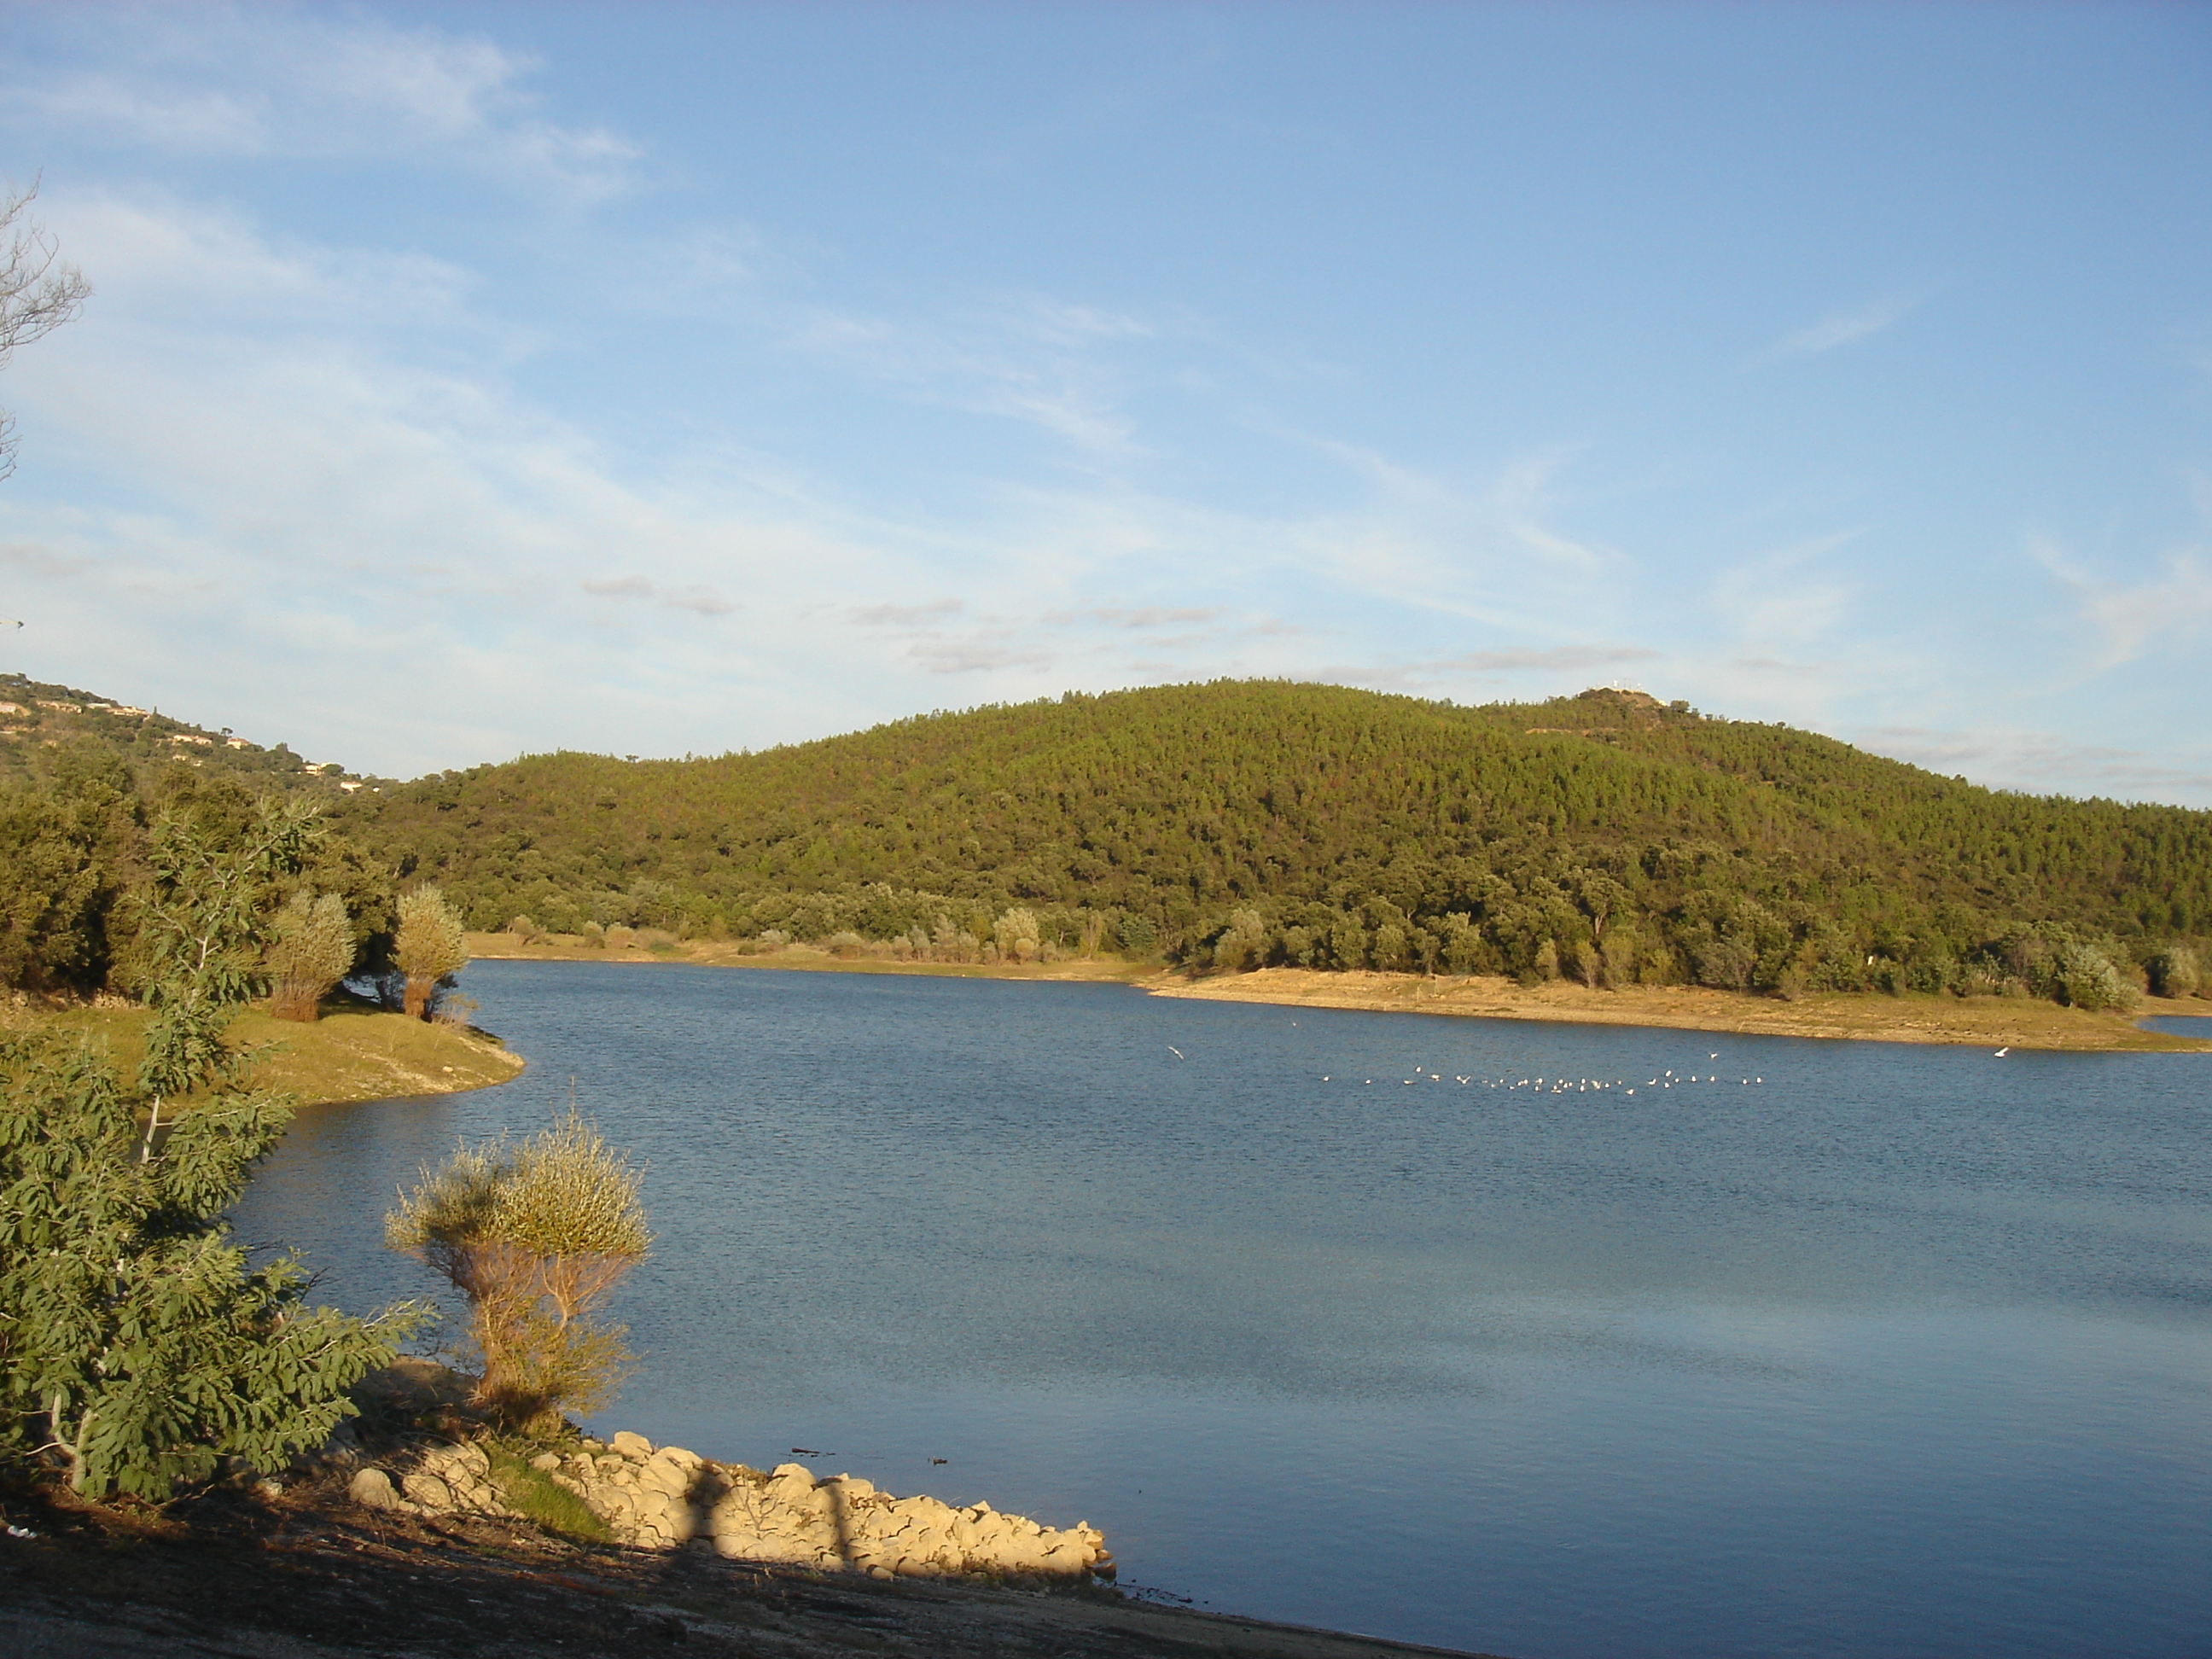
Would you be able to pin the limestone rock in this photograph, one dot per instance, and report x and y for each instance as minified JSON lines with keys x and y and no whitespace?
{"x":373,"y":1489}
{"x":428,"y":1491}
{"x":633,"y":1446}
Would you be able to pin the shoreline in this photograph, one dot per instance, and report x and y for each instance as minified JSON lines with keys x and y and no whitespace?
{"x":1866,"y":1016}
{"x":1968,"y":1022}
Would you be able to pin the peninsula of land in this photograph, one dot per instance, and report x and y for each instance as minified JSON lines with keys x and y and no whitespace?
{"x":351,"y":1053}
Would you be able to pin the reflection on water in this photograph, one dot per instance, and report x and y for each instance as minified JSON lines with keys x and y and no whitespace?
{"x":1796,"y":1348}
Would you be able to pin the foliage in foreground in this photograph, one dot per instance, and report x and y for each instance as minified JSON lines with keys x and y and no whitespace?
{"x":139,"y":1346}
{"x":535,"y":1234}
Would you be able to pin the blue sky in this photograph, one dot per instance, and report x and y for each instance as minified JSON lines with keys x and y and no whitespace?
{"x":662,"y":378}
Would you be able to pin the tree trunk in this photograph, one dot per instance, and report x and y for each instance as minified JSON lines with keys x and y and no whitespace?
{"x":419,"y":993}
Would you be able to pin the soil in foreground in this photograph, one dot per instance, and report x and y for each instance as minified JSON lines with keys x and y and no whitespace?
{"x":307,"y":1573}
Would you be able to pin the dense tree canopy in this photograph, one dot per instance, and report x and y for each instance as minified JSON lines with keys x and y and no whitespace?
{"x":1606,"y":836}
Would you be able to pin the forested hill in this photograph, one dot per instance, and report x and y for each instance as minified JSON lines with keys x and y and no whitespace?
{"x":1605,"y":835}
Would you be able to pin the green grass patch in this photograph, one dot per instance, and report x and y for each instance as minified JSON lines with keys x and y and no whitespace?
{"x":536,"y":1496}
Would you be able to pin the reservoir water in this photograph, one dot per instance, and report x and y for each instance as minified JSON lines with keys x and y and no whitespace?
{"x":1394,"y":1323}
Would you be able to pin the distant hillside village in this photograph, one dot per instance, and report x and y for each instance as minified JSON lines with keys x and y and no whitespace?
{"x":34,"y":714}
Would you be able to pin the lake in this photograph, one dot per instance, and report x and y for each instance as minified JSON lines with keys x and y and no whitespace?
{"x":1553,"y":1341}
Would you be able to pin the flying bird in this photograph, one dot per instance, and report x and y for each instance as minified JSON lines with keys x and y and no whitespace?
{"x":2002,"y":1052}
{"x":1176,"y":1052}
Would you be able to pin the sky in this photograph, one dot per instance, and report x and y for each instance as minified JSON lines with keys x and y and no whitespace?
{"x":464,"y":380}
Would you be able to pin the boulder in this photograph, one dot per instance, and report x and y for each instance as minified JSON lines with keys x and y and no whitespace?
{"x":428,"y":1491}
{"x":635,"y":1447}
{"x":373,"y":1489}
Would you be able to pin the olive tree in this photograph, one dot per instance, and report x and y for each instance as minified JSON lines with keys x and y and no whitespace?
{"x":430,"y":949}
{"x":536,"y":1235}
{"x":313,"y":949}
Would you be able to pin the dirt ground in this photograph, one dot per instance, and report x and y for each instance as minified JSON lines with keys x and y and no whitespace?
{"x":296,"y":1570}
{"x":310,"y":1574}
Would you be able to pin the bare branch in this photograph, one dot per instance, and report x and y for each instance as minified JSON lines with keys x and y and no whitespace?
{"x":39,"y":291}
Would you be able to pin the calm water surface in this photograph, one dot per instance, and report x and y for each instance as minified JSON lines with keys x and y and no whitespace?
{"x":1838,"y":1349}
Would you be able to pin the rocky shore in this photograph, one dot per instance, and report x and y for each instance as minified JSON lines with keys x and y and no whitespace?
{"x":663,"y":1497}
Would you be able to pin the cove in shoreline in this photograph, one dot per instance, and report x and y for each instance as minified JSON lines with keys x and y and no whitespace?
{"x":1992,"y":1022}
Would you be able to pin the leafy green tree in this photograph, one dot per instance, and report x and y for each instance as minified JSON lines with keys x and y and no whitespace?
{"x":536,"y":1234}
{"x":1016,"y":935}
{"x":430,"y":949}
{"x":313,"y":949}
{"x":2173,"y":972}
{"x":1245,"y":942}
{"x":138,"y":1346}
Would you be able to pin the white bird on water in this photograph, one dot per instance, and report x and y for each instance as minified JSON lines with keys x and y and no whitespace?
{"x":2002,"y":1052}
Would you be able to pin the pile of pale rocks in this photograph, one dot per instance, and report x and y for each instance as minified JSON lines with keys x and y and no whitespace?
{"x":660,"y":1499}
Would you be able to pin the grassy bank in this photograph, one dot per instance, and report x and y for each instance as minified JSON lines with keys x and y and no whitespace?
{"x":350,"y":1054}
{"x":1998,"y":1022}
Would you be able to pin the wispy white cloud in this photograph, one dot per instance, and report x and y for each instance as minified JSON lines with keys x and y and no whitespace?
{"x":1152,"y":616}
{"x":231,"y":82}
{"x":1840,"y":328}
{"x":1556,"y":659}
{"x":695,"y":597}
{"x":2129,"y":620}
{"x":906,"y":616}
{"x":1043,"y":363}
{"x":2040,"y":761}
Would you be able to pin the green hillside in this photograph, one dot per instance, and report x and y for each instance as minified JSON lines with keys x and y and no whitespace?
{"x":1605,"y":836}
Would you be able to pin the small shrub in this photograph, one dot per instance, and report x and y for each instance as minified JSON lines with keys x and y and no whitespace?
{"x":2173,"y":972}
{"x":452,"y":1009}
{"x":1015,"y":934}
{"x":845,"y":943}
{"x":523,"y":929}
{"x":2086,"y":979}
{"x":536,"y":1235}
{"x":593,"y":936}
{"x":538,"y":1498}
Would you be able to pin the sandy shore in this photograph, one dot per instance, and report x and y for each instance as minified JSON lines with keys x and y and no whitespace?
{"x":1998,"y":1022}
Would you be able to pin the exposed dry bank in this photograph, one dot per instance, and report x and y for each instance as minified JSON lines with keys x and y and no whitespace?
{"x":1998,"y":1021}
{"x":2018,"y":1022}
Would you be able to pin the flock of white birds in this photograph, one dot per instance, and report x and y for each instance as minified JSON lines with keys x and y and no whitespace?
{"x":1668,"y":1078}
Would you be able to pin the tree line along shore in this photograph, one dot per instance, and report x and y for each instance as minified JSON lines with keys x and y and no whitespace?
{"x":1608,"y":841}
